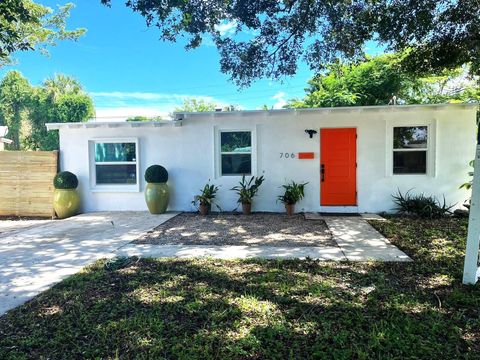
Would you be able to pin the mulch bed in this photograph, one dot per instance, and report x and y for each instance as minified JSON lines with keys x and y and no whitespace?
{"x":235,"y":229}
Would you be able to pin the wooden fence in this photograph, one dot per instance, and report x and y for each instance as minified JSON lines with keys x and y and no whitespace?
{"x":26,"y":182}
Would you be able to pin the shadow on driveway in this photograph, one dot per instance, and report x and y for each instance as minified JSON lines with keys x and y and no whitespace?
{"x":34,"y":259}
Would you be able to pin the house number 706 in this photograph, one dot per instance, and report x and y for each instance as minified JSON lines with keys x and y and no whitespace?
{"x":287,"y":155}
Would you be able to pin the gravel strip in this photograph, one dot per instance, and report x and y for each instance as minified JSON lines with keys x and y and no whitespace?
{"x":235,"y":229}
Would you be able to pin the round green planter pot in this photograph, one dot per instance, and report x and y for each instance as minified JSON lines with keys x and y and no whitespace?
{"x":157,"y":196}
{"x":66,"y":202}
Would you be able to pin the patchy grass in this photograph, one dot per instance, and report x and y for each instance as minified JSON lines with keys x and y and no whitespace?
{"x":197,"y":309}
{"x":437,"y":246}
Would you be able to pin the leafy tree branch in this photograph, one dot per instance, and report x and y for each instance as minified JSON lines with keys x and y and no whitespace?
{"x":271,"y":37}
{"x":26,"y":25}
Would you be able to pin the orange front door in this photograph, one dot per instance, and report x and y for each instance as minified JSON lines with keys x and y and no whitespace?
{"x":338,"y":167}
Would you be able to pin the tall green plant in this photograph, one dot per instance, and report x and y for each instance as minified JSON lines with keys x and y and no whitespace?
{"x":25,"y":109}
{"x":247,"y":190}
{"x":15,"y":99}
{"x":377,"y":80}
{"x":207,"y":196}
{"x":56,"y":105}
{"x":294,"y":192}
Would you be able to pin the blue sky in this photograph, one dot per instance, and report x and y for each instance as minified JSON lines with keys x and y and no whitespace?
{"x":129,"y":71}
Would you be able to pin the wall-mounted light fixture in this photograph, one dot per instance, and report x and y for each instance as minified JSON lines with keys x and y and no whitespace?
{"x":311,"y":132}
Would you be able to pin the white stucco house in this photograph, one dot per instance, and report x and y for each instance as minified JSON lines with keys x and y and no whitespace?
{"x":353,"y":158}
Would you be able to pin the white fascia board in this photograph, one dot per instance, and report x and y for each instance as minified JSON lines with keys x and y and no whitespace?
{"x":348,"y":109}
{"x":110,"y":124}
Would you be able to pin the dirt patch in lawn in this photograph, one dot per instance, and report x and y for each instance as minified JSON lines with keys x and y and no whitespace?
{"x":236,"y":229}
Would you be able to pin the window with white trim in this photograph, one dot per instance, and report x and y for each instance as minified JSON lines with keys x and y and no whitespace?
{"x":235,"y":153}
{"x":410,"y":148}
{"x":114,"y":164}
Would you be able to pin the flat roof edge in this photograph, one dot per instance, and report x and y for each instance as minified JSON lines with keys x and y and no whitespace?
{"x":179,"y":116}
{"x":332,"y":109}
{"x":113,"y":124}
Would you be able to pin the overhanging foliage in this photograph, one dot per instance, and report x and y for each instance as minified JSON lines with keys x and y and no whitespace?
{"x":267,"y":38}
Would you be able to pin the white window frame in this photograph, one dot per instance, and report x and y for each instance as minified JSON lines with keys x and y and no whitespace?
{"x":218,"y":151}
{"x":94,"y":187}
{"x":430,"y":149}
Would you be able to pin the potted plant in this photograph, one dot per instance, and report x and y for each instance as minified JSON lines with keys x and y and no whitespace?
{"x":66,"y":201}
{"x":246,"y":190}
{"x":293,"y":193}
{"x":156,"y":192}
{"x":205,"y":200}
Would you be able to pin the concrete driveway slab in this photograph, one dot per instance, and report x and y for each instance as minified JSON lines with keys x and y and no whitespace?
{"x":12,"y":226}
{"x":34,"y":259}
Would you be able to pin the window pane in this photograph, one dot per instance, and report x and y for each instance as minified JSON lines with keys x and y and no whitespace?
{"x":236,"y":141}
{"x":412,"y":137}
{"x":105,"y":152}
{"x":409,"y":162}
{"x":236,"y":164}
{"x":116,"y":174}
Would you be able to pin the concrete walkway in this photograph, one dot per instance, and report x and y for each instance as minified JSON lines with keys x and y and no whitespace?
{"x":232,"y":252}
{"x":356,"y":240}
{"x":359,"y":241}
{"x":35,"y":258}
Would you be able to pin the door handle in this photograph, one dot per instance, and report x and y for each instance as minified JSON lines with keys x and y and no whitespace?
{"x":322,"y":172}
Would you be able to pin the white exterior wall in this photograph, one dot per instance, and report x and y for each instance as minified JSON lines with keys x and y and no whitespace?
{"x":188,"y":153}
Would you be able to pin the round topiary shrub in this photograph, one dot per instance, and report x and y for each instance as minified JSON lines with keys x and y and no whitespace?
{"x":65,"y":180}
{"x":156,"y":174}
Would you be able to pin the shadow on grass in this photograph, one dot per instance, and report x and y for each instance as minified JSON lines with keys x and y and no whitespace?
{"x":242,"y":309}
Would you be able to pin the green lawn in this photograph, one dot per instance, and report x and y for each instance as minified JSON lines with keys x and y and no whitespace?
{"x":262,"y":309}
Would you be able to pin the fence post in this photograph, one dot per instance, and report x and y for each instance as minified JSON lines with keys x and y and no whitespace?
{"x":470,"y":269}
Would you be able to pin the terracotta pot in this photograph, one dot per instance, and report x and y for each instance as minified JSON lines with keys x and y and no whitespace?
{"x":156,"y":197}
{"x":66,"y":202}
{"x":290,"y":208}
{"x":247,"y":208}
{"x":204,"y":209}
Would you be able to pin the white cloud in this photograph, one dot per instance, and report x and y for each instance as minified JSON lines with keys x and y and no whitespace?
{"x":207,"y":41}
{"x":281,"y":101}
{"x":122,"y":113}
{"x":147,"y":96}
{"x":122,"y":95}
{"x":227,"y":28}
{"x":118,"y":105}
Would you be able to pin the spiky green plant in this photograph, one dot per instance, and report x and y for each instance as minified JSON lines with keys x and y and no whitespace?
{"x":420,"y":205}
{"x":207,"y":196}
{"x":294,"y":192}
{"x":246,"y":190}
